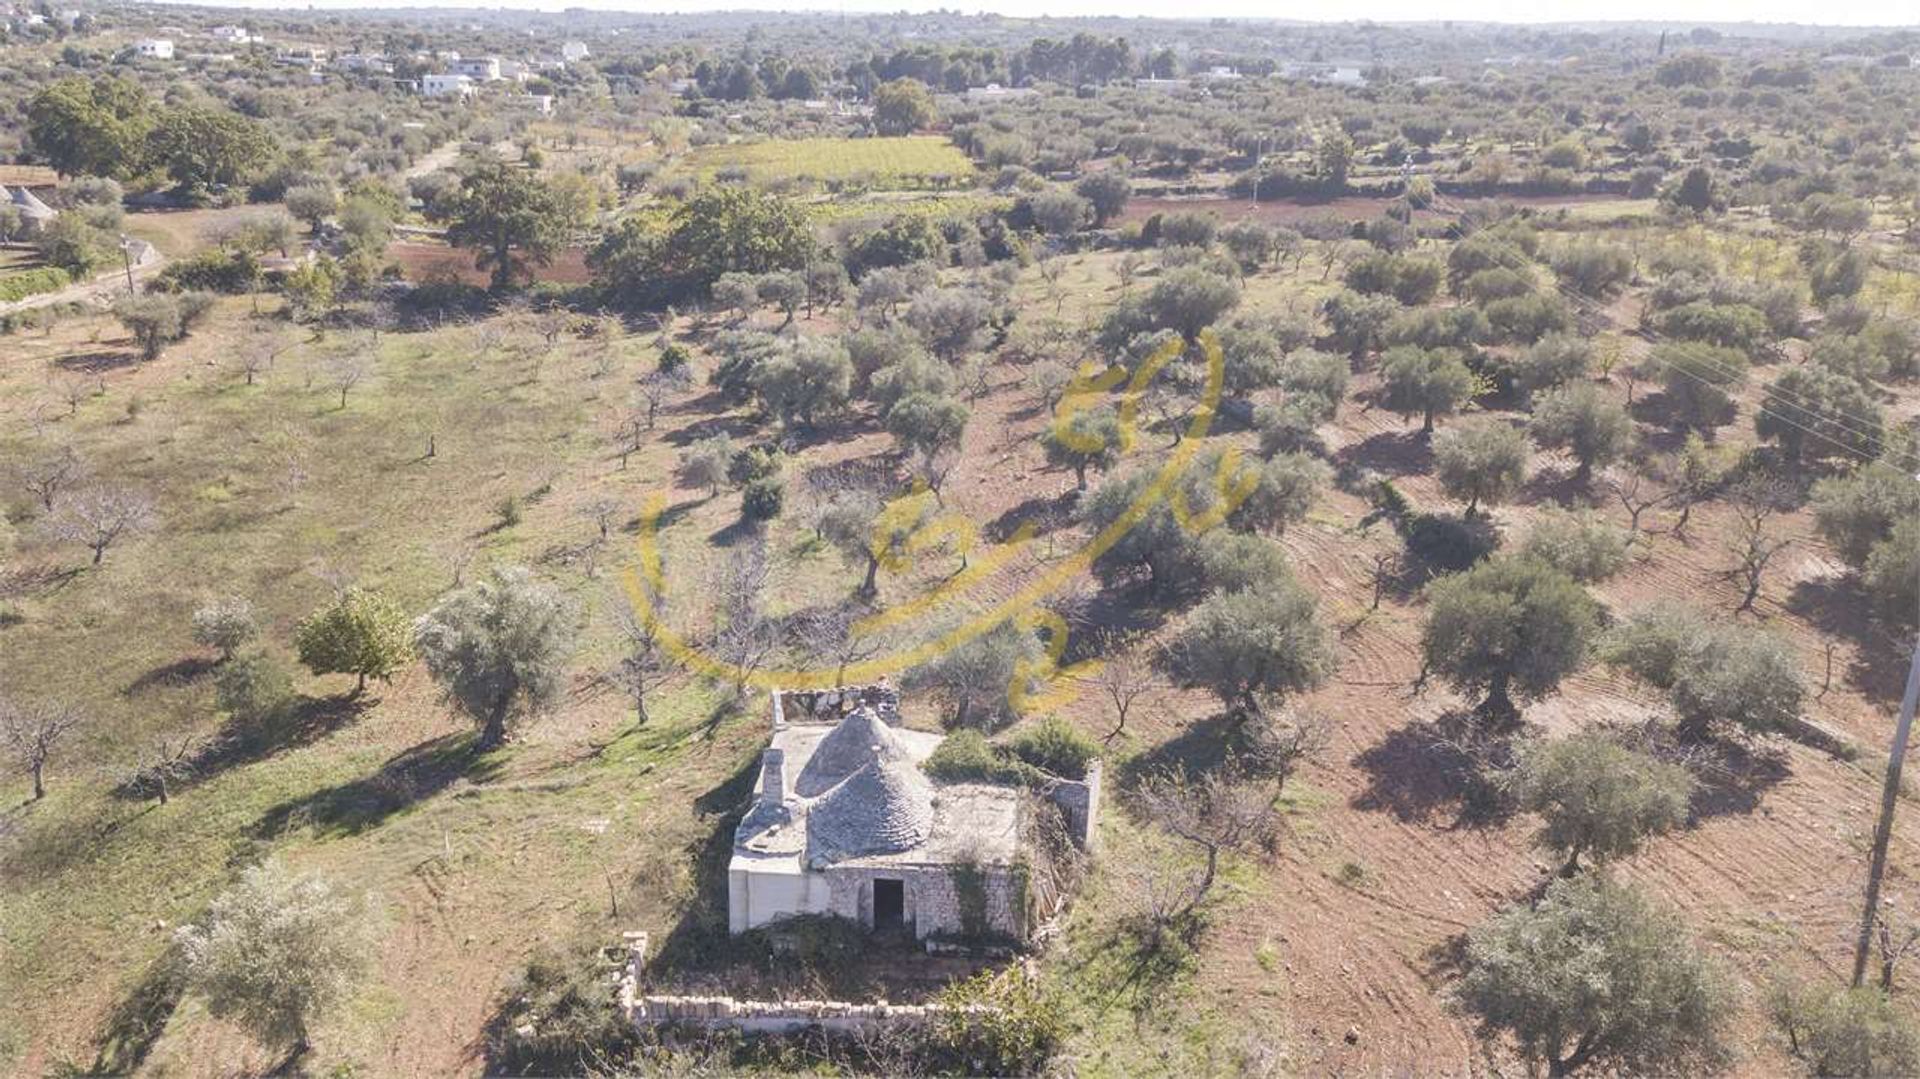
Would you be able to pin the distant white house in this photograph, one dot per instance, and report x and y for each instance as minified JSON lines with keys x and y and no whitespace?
{"x":538,"y":103}
{"x":155,"y":48}
{"x":238,"y":35}
{"x":478,"y":68}
{"x":446,"y":86}
{"x":574,"y":51}
{"x":993,"y":91}
{"x":371,"y":63}
{"x":1221,"y":72}
{"x":307,"y":56}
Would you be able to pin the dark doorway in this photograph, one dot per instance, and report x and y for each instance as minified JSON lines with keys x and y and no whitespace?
{"x":889,"y":904}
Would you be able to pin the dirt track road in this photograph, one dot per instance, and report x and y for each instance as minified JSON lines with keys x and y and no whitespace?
{"x":101,"y":289}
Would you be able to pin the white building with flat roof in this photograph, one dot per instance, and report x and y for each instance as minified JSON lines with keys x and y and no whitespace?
{"x":477,"y":68}
{"x":574,"y":51}
{"x":446,"y":86}
{"x":155,"y":48}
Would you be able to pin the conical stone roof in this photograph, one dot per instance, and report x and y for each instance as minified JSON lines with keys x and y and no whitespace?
{"x":884,"y":807}
{"x":851,"y":745}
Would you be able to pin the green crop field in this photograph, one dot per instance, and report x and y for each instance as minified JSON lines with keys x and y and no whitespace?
{"x":882,"y":163}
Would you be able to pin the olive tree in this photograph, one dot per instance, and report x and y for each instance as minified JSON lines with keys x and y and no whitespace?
{"x":1699,"y":381}
{"x":1594,"y":977}
{"x":1425,"y":382}
{"x":1583,"y":544}
{"x":1481,"y":462}
{"x":1089,"y":438}
{"x":1715,"y":673}
{"x":1584,"y":422}
{"x":1253,"y":645}
{"x":978,"y":679}
{"x":1509,"y":627}
{"x":1597,"y":797}
{"x":277,"y":951}
{"x":499,"y":649}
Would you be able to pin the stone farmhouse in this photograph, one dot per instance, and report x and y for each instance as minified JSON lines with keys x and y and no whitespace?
{"x":845,"y":822}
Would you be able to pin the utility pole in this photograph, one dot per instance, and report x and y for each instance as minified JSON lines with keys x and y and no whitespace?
{"x":126,"y":256}
{"x":1883,"y":833}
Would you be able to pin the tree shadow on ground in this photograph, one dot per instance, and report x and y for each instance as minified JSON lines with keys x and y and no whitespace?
{"x":1394,"y":453}
{"x":734,"y":427}
{"x":1841,"y":607}
{"x":302,"y":722}
{"x":100,"y":362}
{"x":134,"y":1024}
{"x":178,"y":673}
{"x":1733,"y":775}
{"x":409,"y":777}
{"x":1131,"y":609}
{"x":1047,"y":513}
{"x":1560,"y":486}
{"x":704,"y":921}
{"x":1201,"y":748}
{"x":1432,"y":767}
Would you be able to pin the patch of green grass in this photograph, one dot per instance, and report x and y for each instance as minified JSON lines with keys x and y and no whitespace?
{"x":908,"y":161}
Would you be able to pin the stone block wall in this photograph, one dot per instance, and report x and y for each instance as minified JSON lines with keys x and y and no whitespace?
{"x":932,"y":898}
{"x":1079,"y":799}
{"x":757,"y":1016}
{"x":829,"y":705}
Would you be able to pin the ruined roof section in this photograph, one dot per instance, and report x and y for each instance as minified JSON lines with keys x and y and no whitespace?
{"x":886,"y":806}
{"x":856,"y":741}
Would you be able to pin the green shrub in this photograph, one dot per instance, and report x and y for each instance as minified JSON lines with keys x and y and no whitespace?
{"x":252,"y":687}
{"x":25,"y":283}
{"x":1017,"y":1028}
{"x":560,"y":1018}
{"x":230,"y":272}
{"x":965,"y":756}
{"x":1056,"y":746}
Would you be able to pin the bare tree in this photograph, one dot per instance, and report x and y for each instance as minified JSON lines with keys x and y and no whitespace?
{"x":932,"y":467}
{"x":99,"y":516}
{"x":550,"y":324}
{"x":346,"y":369}
{"x":45,"y":478}
{"x":833,"y":634}
{"x":745,"y":637}
{"x":1386,"y":566}
{"x":1125,"y":675}
{"x":1636,"y":495}
{"x":1277,"y":744}
{"x":659,"y":387}
{"x":29,"y":733}
{"x":629,"y":434}
{"x":263,"y":346}
{"x":165,"y":761}
{"x":602,"y":512}
{"x":1216,"y":812}
{"x":74,"y":389}
{"x":1754,"y":547}
{"x":645,"y":665}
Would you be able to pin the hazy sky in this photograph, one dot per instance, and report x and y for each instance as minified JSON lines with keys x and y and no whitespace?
{"x":1827,"y":12}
